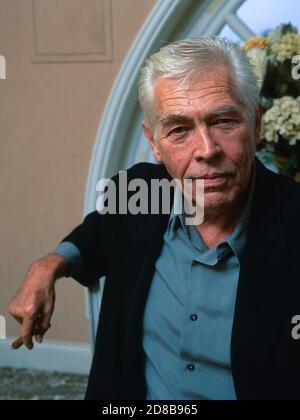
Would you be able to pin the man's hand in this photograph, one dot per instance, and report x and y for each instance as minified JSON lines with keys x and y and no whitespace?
{"x":34,"y":303}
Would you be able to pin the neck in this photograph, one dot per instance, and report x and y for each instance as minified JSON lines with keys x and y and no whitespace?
{"x":220,"y":224}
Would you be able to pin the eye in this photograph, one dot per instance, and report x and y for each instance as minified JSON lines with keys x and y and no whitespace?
{"x":225,"y":122}
{"x":177,"y":131}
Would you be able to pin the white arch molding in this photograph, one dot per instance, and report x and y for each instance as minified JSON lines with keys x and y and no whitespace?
{"x":120,"y":143}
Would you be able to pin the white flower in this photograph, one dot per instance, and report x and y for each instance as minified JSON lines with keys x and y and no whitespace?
{"x":286,"y":47}
{"x":282,"y":121}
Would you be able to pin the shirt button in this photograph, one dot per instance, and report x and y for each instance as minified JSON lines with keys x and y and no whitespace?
{"x":191,"y":367}
{"x":194,"y":317}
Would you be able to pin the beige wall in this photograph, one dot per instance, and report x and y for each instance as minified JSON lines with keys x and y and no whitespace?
{"x":49,"y":116}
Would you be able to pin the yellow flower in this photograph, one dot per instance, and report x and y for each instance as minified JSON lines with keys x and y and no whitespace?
{"x":255,"y":42}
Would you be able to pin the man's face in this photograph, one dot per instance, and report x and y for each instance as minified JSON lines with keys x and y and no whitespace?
{"x":201,"y":131}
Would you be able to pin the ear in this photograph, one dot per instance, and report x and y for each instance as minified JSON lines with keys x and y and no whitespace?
{"x":153,"y":144}
{"x":258,"y":122}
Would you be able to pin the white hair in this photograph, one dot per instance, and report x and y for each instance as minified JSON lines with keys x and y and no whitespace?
{"x":185,"y":60}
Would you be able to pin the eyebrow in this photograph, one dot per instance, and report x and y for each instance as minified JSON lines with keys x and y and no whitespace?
{"x":174,"y":118}
{"x":227,"y":109}
{"x":181,"y":118}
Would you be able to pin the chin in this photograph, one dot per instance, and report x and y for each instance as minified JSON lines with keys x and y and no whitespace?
{"x":216,"y":199}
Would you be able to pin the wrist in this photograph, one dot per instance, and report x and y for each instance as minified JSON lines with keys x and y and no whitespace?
{"x":53,"y":265}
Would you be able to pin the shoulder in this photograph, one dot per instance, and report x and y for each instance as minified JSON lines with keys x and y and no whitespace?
{"x":147,"y":171}
{"x":279,"y":189}
{"x":287,"y":192}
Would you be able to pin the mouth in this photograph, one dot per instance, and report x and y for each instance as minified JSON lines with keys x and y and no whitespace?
{"x":213,"y":180}
{"x":213,"y":176}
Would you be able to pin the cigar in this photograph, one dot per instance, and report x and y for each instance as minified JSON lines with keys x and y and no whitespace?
{"x":17,"y":343}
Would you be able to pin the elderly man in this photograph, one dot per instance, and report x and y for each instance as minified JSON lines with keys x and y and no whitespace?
{"x":191,"y":312}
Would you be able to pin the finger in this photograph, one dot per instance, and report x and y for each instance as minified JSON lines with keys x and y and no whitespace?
{"x":27,"y":333}
{"x":17,"y":343}
{"x":40,"y":330}
{"x":39,"y":333}
{"x":39,"y":338}
{"x":45,"y":321}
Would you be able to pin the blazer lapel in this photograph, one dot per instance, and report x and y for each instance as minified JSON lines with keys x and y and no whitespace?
{"x":148,"y":232}
{"x":263,"y":287}
{"x":152,"y":232}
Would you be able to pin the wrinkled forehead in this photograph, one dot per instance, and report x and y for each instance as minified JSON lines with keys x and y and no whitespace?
{"x":205,"y":89}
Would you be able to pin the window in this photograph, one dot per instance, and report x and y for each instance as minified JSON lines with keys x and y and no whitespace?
{"x":261,"y":17}
{"x":264,"y":15}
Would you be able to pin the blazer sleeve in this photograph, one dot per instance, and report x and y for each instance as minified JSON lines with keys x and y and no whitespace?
{"x":88,"y":238}
{"x":95,"y":237}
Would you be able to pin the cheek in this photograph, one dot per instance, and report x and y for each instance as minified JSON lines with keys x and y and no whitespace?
{"x":175,"y":161}
{"x":240,"y":149}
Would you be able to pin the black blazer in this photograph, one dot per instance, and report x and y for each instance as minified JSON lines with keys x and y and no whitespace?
{"x":265,"y":357}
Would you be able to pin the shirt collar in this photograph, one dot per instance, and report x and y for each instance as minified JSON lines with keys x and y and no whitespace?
{"x":177,"y":218}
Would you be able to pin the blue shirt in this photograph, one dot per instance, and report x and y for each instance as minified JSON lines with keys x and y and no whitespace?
{"x":189,"y":312}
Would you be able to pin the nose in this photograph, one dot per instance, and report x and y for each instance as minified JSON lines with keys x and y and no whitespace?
{"x":204,"y":146}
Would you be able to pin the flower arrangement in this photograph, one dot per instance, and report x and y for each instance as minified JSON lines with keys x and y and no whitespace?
{"x":272,"y":59}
